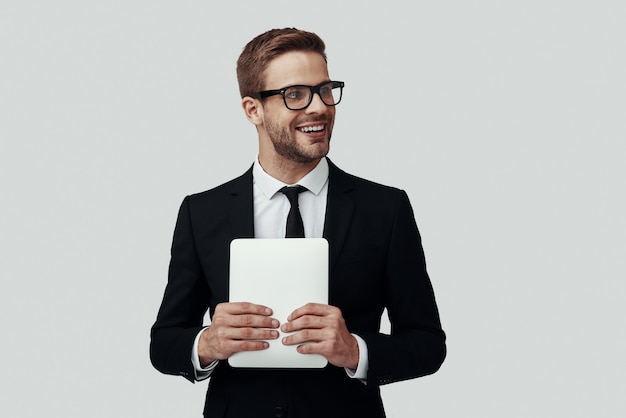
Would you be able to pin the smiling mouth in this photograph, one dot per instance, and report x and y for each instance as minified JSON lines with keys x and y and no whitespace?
{"x":311,"y":129}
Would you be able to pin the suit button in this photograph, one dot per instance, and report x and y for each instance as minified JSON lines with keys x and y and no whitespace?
{"x":279,"y":412}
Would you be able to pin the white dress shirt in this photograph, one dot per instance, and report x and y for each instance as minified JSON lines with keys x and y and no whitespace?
{"x":271,"y":208}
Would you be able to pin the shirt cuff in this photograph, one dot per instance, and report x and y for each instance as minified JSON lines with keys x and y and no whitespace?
{"x":361,"y":369}
{"x":200,"y":372}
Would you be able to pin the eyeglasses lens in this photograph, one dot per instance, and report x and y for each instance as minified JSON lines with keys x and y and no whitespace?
{"x":299,"y":97}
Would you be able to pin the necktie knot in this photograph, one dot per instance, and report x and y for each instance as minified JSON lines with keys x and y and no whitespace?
{"x":295,"y":226}
{"x":292,"y":193}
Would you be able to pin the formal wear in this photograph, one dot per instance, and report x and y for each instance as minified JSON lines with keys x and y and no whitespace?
{"x":271,"y":215}
{"x":376,"y":262}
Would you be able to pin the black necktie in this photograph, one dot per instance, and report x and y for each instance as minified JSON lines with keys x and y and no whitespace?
{"x":295,"y":227}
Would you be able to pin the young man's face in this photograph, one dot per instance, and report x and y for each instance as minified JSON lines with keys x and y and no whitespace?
{"x":300,"y":136}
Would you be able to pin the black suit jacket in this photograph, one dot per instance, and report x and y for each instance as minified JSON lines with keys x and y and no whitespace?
{"x":376,"y":262}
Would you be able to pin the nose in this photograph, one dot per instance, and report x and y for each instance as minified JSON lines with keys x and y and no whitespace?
{"x":316,"y":105}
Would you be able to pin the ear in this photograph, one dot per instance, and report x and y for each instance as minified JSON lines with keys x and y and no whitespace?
{"x":253,"y":110}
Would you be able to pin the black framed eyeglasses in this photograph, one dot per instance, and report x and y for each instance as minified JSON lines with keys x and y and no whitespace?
{"x":300,"y":97}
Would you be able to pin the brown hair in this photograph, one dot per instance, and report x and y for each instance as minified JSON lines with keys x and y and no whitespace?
{"x":258,"y":53}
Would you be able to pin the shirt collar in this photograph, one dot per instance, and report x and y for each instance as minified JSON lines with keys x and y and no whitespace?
{"x":314,"y":181}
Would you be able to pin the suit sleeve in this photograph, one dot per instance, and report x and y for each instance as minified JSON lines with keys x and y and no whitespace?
{"x":416,"y":345}
{"x":184,"y":303}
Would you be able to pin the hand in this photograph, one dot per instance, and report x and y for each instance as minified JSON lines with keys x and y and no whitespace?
{"x":324,"y":331}
{"x":236,"y":327}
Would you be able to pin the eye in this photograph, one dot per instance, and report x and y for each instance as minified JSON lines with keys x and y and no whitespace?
{"x":295,"y":93}
{"x":326,"y":90}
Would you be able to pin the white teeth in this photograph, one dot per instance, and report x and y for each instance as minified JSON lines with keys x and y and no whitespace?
{"x":312,"y":128}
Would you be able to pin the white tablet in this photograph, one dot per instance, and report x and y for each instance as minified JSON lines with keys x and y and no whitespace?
{"x":283,"y":274}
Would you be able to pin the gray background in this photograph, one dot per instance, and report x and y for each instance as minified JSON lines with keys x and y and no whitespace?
{"x":504,"y":121}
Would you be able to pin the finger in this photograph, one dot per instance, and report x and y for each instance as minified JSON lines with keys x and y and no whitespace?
{"x":304,"y":322}
{"x":304,"y":336}
{"x":252,"y":321}
{"x":237,"y":346}
{"x":226,"y":320}
{"x":312,"y":309}
{"x":225,"y":335}
{"x":240,"y":308}
{"x":311,"y":348}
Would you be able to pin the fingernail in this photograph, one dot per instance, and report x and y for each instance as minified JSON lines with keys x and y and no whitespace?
{"x":268,"y":311}
{"x":275,"y":323}
{"x":274,"y":334}
{"x":284,"y":327}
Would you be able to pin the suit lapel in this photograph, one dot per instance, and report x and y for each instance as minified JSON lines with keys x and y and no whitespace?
{"x":239,"y":206}
{"x":339,"y":210}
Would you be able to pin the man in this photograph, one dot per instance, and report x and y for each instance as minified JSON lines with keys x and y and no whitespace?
{"x":376,"y":260}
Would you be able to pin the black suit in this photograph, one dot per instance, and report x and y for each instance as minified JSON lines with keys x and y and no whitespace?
{"x":376,"y":262}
